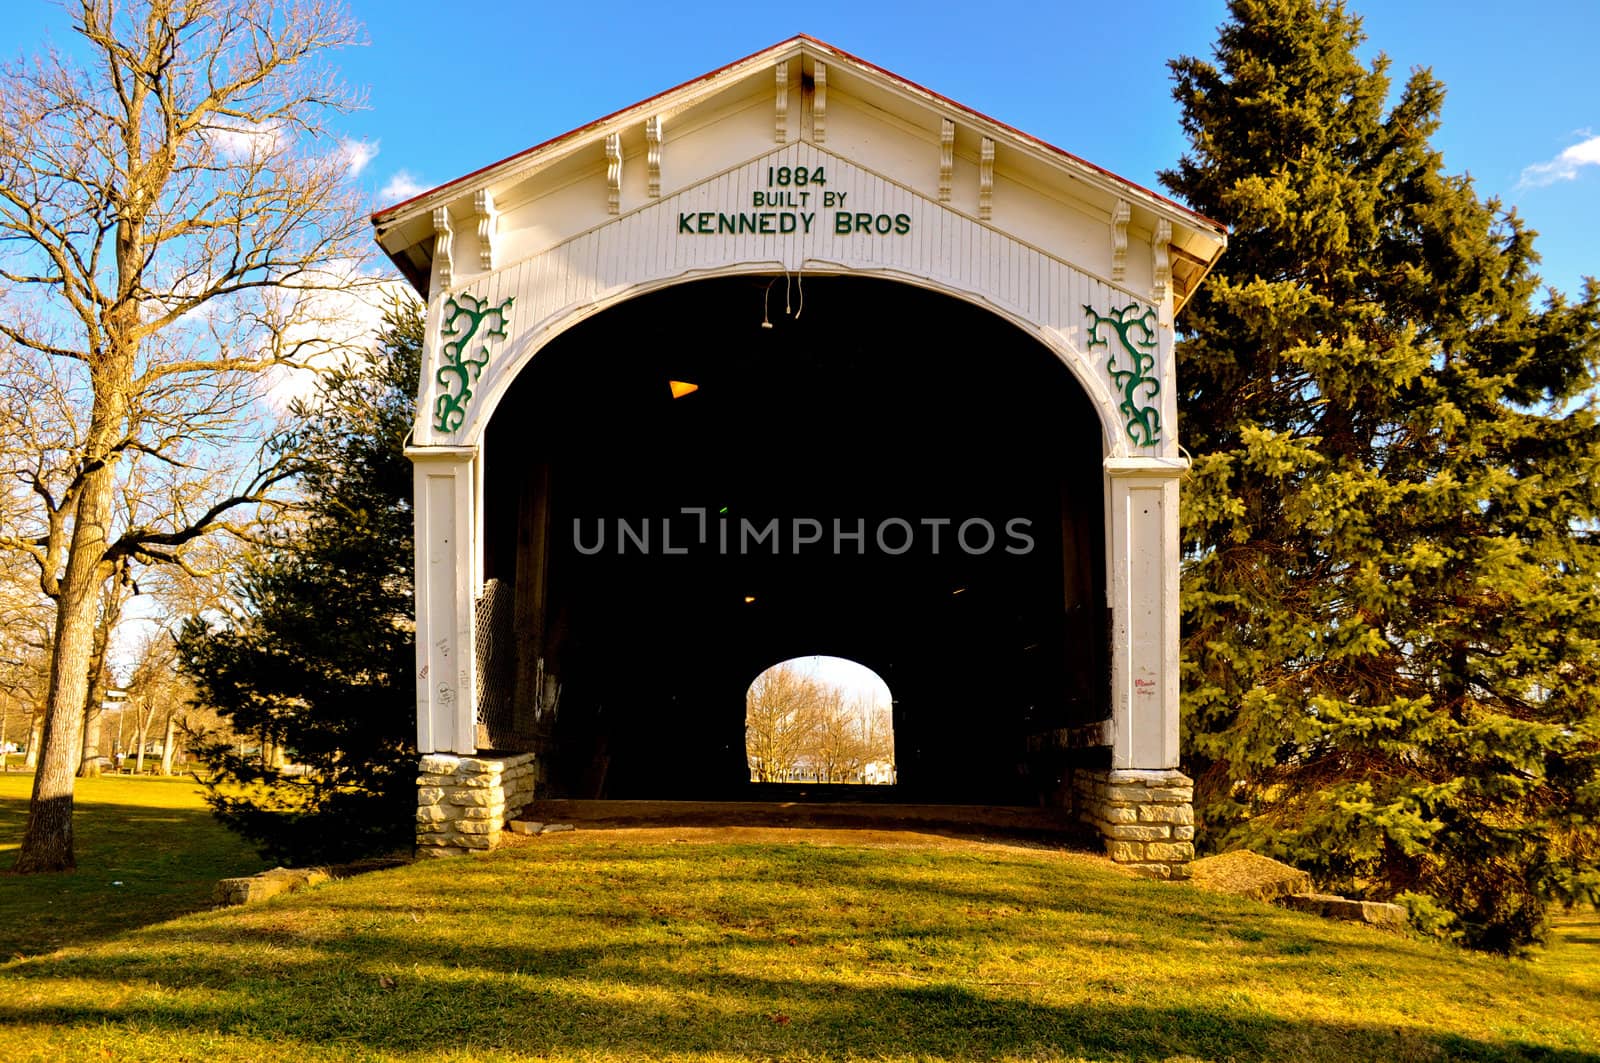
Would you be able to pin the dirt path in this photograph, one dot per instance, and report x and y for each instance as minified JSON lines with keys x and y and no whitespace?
{"x":828,"y":836}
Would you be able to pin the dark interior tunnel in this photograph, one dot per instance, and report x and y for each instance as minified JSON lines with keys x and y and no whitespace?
{"x":892,"y":411}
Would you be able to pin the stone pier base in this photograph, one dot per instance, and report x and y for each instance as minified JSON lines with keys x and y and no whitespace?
{"x":463,"y":803}
{"x":1145,"y":817}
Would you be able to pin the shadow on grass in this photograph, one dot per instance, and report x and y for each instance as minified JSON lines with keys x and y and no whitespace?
{"x":495,"y":1009}
{"x":137,"y":864}
{"x":654,"y":951}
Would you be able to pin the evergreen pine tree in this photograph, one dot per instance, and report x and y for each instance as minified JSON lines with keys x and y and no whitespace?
{"x":1391,"y":606}
{"x":318,"y":661}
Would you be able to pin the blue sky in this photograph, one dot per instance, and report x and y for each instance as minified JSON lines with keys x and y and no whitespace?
{"x":452,"y":87}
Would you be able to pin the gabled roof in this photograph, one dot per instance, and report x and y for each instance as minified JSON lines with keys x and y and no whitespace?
{"x":400,"y":227}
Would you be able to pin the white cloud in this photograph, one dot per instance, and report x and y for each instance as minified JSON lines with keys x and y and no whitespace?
{"x":356,"y":154}
{"x":339,"y":312}
{"x":401,"y":186}
{"x":1563,"y":167}
{"x":246,"y":140}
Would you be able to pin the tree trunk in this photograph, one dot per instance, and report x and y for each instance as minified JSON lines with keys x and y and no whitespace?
{"x":144,"y":727}
{"x":89,"y":757}
{"x":166,"y":742}
{"x":35,"y":738}
{"x":106,"y":616}
{"x":47,"y":838}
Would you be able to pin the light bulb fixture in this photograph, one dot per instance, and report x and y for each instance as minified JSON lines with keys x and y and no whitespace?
{"x":680,"y":388}
{"x":749,"y":599}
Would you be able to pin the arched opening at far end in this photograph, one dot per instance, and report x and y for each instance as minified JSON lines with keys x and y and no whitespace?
{"x":820,"y":720}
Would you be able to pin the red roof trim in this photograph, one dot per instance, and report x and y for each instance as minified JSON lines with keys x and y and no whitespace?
{"x":378,"y":216}
{"x":1014,"y":131}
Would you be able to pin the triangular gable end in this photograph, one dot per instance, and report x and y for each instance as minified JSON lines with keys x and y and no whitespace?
{"x":802,"y":90}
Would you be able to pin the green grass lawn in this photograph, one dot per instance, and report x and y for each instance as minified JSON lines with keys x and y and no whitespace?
{"x":152,"y":835}
{"x":627,"y":945}
{"x":1574,"y":952}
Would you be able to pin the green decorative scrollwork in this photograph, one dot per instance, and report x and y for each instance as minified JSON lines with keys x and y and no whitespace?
{"x":461,"y":368}
{"x":1137,"y":334}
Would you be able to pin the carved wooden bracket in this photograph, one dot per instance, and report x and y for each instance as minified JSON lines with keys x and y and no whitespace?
{"x":986,"y":180}
{"x":781,"y":125}
{"x":488,"y":223}
{"x":1119,"y":240}
{"x":947,"y":158}
{"x":652,"y":158}
{"x":614,"y":173}
{"x":443,"y":244}
{"x":1163,"y":261}
{"x":819,"y":104}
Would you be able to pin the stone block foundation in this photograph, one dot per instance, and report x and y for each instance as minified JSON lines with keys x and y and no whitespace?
{"x":463,"y":803}
{"x":1145,"y":817}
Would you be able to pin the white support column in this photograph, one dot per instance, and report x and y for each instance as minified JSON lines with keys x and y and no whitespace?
{"x":1142,"y":556}
{"x":445,"y":504}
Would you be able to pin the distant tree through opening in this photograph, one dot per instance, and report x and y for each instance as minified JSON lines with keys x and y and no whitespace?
{"x":819,"y":720}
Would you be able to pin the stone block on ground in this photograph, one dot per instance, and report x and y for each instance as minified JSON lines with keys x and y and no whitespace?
{"x":556,"y":828}
{"x":524,"y":826}
{"x":1372,"y":913}
{"x":251,"y":888}
{"x":1242,"y":873}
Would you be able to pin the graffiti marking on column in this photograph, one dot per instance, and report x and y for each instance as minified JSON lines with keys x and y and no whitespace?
{"x":464,"y":315}
{"x":1136,"y":333}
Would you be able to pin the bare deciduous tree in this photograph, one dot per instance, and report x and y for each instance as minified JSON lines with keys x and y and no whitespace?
{"x":780,"y":721}
{"x":156,"y":691}
{"x":170,"y":208}
{"x":24,"y":655}
{"x":114,"y":594}
{"x":877,"y":724}
{"x":795,"y":722}
{"x":838,"y":749}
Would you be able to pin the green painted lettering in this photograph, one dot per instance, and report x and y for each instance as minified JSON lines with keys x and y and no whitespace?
{"x":683,"y":223}
{"x":902,"y":223}
{"x":766,"y":222}
{"x":841,"y":224}
{"x":806,"y":220}
{"x":704,"y":218}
